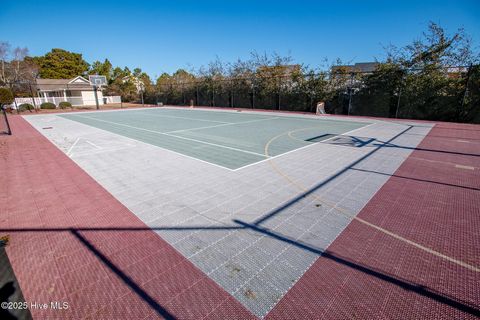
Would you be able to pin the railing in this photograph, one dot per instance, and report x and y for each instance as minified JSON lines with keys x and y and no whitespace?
{"x":112,"y":99}
{"x":37,"y":101}
{"x":75,"y":101}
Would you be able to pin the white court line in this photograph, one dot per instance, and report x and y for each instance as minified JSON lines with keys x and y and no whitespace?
{"x":304,"y":147}
{"x":222,"y":125}
{"x":71,"y":147}
{"x":348,"y":132}
{"x":178,"y":117}
{"x":153,"y":146}
{"x":174,"y":136}
{"x":93,"y":144}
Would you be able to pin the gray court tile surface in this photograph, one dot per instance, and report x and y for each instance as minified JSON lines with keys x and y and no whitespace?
{"x":254,"y":230}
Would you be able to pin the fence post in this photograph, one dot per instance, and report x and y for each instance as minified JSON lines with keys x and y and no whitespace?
{"x":279,"y":95}
{"x":213,"y":95}
{"x":196,"y":94}
{"x":253,"y":94}
{"x":465,"y":93}
{"x":399,"y":96}
{"x":183,"y":95}
{"x":350,"y":93}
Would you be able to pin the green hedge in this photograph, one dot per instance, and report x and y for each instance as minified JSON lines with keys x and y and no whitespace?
{"x":64,"y":104}
{"x":47,"y":105}
{"x":6,"y":96}
{"x":25,"y":107}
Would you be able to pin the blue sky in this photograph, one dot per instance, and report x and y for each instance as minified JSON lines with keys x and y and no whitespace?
{"x":162,"y":36}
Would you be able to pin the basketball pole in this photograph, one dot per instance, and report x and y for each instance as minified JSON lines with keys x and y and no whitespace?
{"x":9,"y":131}
{"x":96,"y":96}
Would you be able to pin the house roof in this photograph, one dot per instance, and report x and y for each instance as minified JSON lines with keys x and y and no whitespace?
{"x":285,"y":70}
{"x":358,"y":67}
{"x":77,"y":83}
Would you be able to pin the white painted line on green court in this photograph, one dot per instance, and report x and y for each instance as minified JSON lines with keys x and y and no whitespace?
{"x":348,"y":132}
{"x":174,"y":136}
{"x":217,"y":145}
{"x":186,"y":118}
{"x":273,"y":157}
{"x":298,"y":149}
{"x":151,"y":145}
{"x":222,"y":125}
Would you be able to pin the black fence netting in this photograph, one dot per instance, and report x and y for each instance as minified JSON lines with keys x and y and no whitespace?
{"x":445,"y":94}
{"x":429,"y":93}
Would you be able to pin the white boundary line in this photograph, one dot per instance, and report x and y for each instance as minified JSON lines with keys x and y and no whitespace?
{"x":222,"y":125}
{"x":71,"y":147}
{"x":207,"y":162}
{"x":137,"y":142}
{"x":304,"y":147}
{"x":186,"y":118}
{"x":348,"y":132}
{"x":174,"y":136}
{"x":93,"y":144}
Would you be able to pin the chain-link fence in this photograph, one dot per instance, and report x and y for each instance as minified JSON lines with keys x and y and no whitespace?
{"x":447,"y":94}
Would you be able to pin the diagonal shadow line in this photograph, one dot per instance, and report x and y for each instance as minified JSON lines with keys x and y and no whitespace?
{"x":417,"y":179}
{"x":355,"y":142}
{"x":325,"y":182}
{"x":318,"y":137}
{"x":128,"y":281}
{"x":391,"y":145}
{"x":404,"y":284}
{"x":360,"y":142}
{"x":458,"y":129}
{"x":447,"y":137}
{"x":120,"y":229}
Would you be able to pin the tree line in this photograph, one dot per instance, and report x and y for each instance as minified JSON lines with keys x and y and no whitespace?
{"x":437,"y":77}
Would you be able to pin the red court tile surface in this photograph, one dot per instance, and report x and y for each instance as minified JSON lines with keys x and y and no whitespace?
{"x":433,"y":199}
{"x":71,"y":241}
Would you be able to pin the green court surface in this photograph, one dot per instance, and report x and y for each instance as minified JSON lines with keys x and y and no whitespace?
{"x":228,"y":139}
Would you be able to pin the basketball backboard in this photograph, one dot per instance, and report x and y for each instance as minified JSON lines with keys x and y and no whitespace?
{"x":97,"y":80}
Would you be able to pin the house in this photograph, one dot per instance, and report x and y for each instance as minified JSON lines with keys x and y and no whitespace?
{"x":346,"y":77}
{"x":285,"y":73}
{"x":361,"y":67}
{"x":78,"y":91}
{"x":456,"y":72}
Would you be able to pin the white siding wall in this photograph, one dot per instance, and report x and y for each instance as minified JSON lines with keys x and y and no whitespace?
{"x":89,"y":98}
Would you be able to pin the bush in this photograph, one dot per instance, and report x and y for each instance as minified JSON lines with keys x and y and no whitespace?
{"x":64,"y":104}
{"x":47,"y":105}
{"x":6,"y":96}
{"x":25,"y":107}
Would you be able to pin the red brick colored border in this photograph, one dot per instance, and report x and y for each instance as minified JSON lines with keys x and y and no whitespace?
{"x":72,"y":241}
{"x":433,"y":199}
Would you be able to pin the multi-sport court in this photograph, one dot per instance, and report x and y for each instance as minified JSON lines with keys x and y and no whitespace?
{"x":207,"y":213}
{"x":227,"y":139}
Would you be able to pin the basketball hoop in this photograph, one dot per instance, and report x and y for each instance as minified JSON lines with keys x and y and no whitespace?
{"x":97,"y":81}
